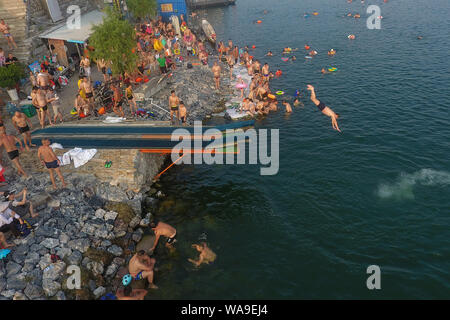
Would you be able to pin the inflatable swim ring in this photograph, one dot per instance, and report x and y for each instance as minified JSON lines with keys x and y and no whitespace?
{"x":176,"y":51}
{"x":332,"y":69}
{"x":307,"y":47}
{"x":193,"y":51}
{"x":73,"y":112}
{"x":4,"y":253}
{"x":271,"y":96}
{"x":259,"y":21}
{"x":285,"y":59}
{"x":101,"y":111}
{"x":315,"y":13}
{"x":308,"y":57}
{"x":279,"y":93}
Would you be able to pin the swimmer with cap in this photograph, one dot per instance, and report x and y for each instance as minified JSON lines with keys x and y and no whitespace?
{"x":324,"y":109}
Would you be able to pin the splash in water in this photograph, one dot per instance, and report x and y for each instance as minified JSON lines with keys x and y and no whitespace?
{"x":403,"y":188}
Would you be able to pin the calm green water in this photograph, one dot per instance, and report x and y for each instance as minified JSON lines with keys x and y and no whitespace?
{"x":379,"y":193}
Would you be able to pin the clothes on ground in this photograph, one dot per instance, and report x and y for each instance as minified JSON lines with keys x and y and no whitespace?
{"x":78,"y":155}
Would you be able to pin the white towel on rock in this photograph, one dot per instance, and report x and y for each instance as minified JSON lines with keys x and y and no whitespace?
{"x":79,"y":156}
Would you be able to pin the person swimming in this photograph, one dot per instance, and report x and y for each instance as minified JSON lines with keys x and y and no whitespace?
{"x":293,"y":58}
{"x":324,"y":109}
{"x":269,"y":54}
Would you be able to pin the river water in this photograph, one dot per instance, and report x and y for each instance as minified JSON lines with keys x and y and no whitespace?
{"x":376,"y":194}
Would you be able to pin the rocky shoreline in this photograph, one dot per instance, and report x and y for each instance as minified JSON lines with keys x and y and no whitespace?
{"x":91,"y":224}
{"x":84,"y":227}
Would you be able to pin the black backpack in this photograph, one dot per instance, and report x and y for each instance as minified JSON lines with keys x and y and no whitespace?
{"x":189,"y":65}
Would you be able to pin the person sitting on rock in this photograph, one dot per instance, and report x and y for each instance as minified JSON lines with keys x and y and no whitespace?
{"x":129,"y":293}
{"x":141,"y":266}
{"x":163,"y":229}
{"x":206,"y":254}
{"x":9,"y":219}
{"x":22,"y":207}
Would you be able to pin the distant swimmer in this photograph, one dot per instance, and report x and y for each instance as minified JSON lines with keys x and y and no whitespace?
{"x":419,"y":37}
{"x":324,"y":109}
{"x":206,"y":254}
{"x":324,"y":71}
{"x":357,"y":15}
{"x":293,"y":58}
{"x":269,"y":54}
{"x":351,"y":36}
{"x":288,"y":106}
{"x":297,"y":102}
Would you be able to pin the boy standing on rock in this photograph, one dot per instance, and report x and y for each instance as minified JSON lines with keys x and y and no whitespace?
{"x":51,"y":162}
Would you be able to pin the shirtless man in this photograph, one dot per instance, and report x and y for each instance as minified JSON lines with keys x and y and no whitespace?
{"x":206,"y":254}
{"x":141,"y":267}
{"x":43,"y":80}
{"x":216,"y":69}
{"x":101,"y":66}
{"x":163,"y":229}
{"x":265,"y":71}
{"x":50,"y":161}
{"x":86,"y":64}
{"x":56,"y":105}
{"x":183,"y":113}
{"x":117,"y":108}
{"x":288,"y":106}
{"x":86,"y":85}
{"x":39,"y":100}
{"x":230,"y":61}
{"x":23,"y":126}
{"x":324,"y":109}
{"x":129,"y":293}
{"x":174,"y":102}
{"x":256,"y":67}
{"x":236,"y":54}
{"x":4,"y":28}
{"x":9,"y":142}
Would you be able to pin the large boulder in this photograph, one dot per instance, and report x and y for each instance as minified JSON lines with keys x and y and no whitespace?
{"x":146,"y":243}
{"x":50,"y":287}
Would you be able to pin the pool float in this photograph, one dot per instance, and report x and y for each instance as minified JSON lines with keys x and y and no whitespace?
{"x":193,"y":51}
{"x":271,"y":96}
{"x":259,"y":21}
{"x":332,"y":69}
{"x":126,"y":280}
{"x":4,"y":253}
{"x":279,"y":93}
{"x":253,"y":47}
{"x":306,"y":15}
{"x":307,"y":47}
{"x":73,"y":112}
{"x":278,"y":73}
{"x":101,"y":111}
{"x":176,"y":51}
{"x":285,"y":59}
{"x":315,"y":13}
{"x":308,"y":57}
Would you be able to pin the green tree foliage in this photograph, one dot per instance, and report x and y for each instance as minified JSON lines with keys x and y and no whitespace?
{"x":10,"y":75}
{"x":114,"y":40}
{"x":142,"y":8}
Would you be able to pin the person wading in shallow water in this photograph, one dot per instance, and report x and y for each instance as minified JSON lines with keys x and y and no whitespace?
{"x":206,"y":254}
{"x":129,"y":293}
{"x":324,"y":109}
{"x":165,"y":230}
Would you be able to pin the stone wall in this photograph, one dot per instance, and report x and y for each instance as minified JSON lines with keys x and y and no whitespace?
{"x":130,"y":169}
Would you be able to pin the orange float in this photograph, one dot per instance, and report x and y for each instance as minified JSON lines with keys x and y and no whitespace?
{"x":259,"y":21}
{"x":307,"y":47}
{"x":253,"y":47}
{"x":101,"y":110}
{"x":139,"y":79}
